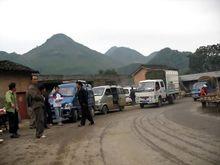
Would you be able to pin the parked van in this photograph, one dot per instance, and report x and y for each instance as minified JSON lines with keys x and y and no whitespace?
{"x":109,"y":98}
{"x":71,"y":109}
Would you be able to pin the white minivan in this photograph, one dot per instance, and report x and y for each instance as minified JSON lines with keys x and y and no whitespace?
{"x":109,"y":98}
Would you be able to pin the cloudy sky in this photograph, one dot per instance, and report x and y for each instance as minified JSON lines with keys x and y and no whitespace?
{"x":144,"y":25}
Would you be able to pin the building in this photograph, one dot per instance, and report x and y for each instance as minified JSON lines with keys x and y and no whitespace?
{"x":190,"y":79}
{"x":22,"y":76}
{"x":140,"y":73}
{"x":95,"y":80}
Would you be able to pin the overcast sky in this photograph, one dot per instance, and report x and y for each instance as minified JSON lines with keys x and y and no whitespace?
{"x":144,"y":25}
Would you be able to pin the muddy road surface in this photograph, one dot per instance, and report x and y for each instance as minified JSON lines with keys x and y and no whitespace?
{"x":173,"y":134}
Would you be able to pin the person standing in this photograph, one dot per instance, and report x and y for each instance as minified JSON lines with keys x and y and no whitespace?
{"x":31,"y":90}
{"x":57,"y":97}
{"x":38,"y":107}
{"x":82,"y":95}
{"x":12,"y":110}
{"x":132,"y":95}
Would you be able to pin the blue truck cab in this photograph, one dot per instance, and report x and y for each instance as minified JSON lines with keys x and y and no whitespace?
{"x":71,"y":109}
{"x":196,"y":90}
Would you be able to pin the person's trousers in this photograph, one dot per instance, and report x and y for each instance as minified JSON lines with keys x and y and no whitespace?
{"x":13,"y":122}
{"x":32,"y":117}
{"x":39,"y":121}
{"x":49,"y":116}
{"x":86,"y":114}
{"x":45,"y":117}
{"x":58,"y":114}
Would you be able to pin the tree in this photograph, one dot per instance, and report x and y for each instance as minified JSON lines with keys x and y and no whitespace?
{"x":206,"y":58}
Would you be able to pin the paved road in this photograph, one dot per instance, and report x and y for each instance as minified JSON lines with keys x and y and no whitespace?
{"x":173,"y":134}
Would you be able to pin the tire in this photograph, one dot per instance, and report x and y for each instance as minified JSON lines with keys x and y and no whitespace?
{"x":170,"y":99}
{"x":195,"y":99}
{"x":74,"y":116}
{"x":104,"y":110}
{"x":142,"y":106}
{"x":121,"y":108}
{"x":159,"y":104}
{"x":204,"y":104}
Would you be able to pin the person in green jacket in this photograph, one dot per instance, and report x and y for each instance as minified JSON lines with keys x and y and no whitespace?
{"x":12,"y":110}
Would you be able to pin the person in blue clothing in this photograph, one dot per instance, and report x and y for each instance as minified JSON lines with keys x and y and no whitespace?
{"x":82,"y":95}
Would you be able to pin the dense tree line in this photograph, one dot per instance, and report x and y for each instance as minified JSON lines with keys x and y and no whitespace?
{"x":205,"y":59}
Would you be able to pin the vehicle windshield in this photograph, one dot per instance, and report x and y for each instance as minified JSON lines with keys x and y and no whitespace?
{"x":98,"y":91}
{"x":67,"y":91}
{"x":146,"y":86}
{"x":198,"y":85}
{"x":126,"y":91}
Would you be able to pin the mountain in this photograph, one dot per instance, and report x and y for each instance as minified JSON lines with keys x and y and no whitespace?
{"x":128,"y":69}
{"x":125,"y":55}
{"x":61,"y":55}
{"x":10,"y":56}
{"x":166,"y":56}
{"x":171,"y":58}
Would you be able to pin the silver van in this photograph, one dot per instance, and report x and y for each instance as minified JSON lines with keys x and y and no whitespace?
{"x":108,"y":98}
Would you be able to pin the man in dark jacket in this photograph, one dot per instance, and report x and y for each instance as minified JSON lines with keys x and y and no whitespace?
{"x":132,"y":95}
{"x":31,"y":90}
{"x":82,"y":95}
{"x":38,"y":108}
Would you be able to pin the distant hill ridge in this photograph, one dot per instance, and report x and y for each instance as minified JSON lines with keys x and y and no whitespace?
{"x":62,"y":55}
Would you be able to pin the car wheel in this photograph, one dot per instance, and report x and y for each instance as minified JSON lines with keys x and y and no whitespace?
{"x":121,"y":108}
{"x":75,"y":116}
{"x":195,"y":99}
{"x":170,"y":99}
{"x":142,"y":105}
{"x":159,"y":104}
{"x":204,"y":104}
{"x":104,"y":109}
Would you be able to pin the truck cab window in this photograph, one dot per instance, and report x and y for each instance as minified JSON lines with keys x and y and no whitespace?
{"x":161,"y":84}
{"x":157,"y":86}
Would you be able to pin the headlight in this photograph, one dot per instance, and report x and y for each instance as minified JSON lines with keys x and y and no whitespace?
{"x":68,"y":106}
{"x":98,"y":102}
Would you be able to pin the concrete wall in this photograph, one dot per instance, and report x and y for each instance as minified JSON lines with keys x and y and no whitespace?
{"x":139,"y":76}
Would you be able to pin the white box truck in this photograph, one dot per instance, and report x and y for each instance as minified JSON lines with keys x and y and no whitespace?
{"x":160,"y":86}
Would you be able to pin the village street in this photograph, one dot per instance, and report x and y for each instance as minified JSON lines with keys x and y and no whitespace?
{"x":173,"y":134}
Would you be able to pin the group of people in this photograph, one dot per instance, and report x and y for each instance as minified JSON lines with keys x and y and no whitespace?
{"x":39,"y":108}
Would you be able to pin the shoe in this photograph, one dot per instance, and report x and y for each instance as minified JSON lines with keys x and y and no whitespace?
{"x":80,"y":125}
{"x":1,"y":141}
{"x":14,"y":136}
{"x":43,"y":136}
{"x":18,"y":134}
{"x":92,"y":123}
{"x":51,"y":124}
